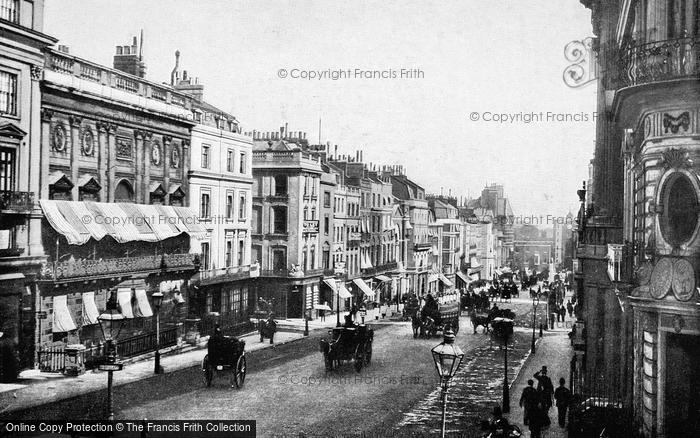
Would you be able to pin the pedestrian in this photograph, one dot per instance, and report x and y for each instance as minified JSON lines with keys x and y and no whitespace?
{"x":562,"y":395}
{"x":528,"y":400}
{"x":353,"y":312}
{"x":551,"y":319}
{"x":539,"y":420}
{"x":562,"y":312}
{"x":570,"y":308}
{"x":323,"y":311}
{"x":544,"y":387}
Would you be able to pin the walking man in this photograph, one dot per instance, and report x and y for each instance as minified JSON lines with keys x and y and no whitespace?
{"x":528,"y":400}
{"x":562,"y":395}
{"x":544,"y":387}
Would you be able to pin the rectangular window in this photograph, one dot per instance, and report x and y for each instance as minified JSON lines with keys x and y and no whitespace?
{"x":225,"y":301}
{"x":205,"y":156}
{"x":229,"y":160}
{"x":7,"y":169}
{"x":256,"y":255}
{"x":326,"y":225}
{"x":205,"y":256}
{"x":279,"y":259}
{"x":9,"y":10}
{"x":280,"y":185}
{"x":242,"y":207}
{"x":242,"y":165}
{"x":229,"y":252}
{"x":8,"y":92}
{"x":205,"y":206}
{"x":236,"y":302}
{"x":326,"y":259}
{"x":326,"y":199}
{"x":241,"y":251}
{"x":280,"y":220}
{"x":229,"y":205}
{"x":257,"y":219}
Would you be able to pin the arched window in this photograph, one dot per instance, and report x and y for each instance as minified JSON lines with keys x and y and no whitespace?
{"x":124,"y":192}
{"x":680,"y":209}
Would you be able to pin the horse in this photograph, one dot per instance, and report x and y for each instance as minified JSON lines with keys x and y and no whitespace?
{"x":416,"y":322}
{"x":480,"y":319}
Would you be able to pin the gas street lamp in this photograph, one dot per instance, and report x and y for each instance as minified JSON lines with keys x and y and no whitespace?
{"x":535,"y":303}
{"x":110,"y":321}
{"x":157,"y":298}
{"x":447,"y":357}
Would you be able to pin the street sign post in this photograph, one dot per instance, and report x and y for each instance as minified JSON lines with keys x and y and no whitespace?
{"x":110,"y":366}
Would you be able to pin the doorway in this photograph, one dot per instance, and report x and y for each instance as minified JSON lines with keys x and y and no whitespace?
{"x":682,"y":386}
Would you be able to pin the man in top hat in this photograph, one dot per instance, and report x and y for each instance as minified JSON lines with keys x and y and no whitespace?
{"x":544,"y":387}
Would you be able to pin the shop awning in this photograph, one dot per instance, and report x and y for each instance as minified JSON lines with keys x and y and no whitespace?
{"x":463,"y":277}
{"x":62,"y":321}
{"x":331,"y":284}
{"x":124,"y":300}
{"x":344,"y":293}
{"x":321,"y":307}
{"x":382,"y":278}
{"x":143,"y":307}
{"x":364,"y":287}
{"x":365,"y":262}
{"x":446,"y":281}
{"x":474,"y":263}
{"x":125,"y":222}
{"x":90,"y":312}
{"x":432,"y":277}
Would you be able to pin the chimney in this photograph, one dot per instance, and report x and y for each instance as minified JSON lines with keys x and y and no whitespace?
{"x":129,"y":59}
{"x":65,"y":49}
{"x":196,"y":90}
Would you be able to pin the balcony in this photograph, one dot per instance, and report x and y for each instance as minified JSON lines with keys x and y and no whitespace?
{"x":231,"y":273}
{"x":660,"y":61}
{"x":286,"y":273}
{"x":278,"y":198}
{"x":16,"y":202}
{"x":380,"y":269}
{"x":82,"y":269}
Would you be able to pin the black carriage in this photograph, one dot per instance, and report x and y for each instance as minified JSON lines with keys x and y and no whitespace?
{"x":429,"y":321}
{"x":348,"y":343}
{"x":225,"y":355}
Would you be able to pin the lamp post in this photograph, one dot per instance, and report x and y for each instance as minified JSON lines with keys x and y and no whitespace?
{"x":447,"y":357}
{"x":110,"y":320}
{"x":338,"y":282}
{"x":157,"y":298}
{"x":535,"y":303}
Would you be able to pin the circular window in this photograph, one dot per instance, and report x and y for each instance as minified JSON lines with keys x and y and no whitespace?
{"x":680,"y":211}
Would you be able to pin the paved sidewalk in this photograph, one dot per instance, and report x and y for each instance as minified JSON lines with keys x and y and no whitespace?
{"x":554,"y":351}
{"x":36,"y":388}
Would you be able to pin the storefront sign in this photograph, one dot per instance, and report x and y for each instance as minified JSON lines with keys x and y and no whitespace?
{"x":310,"y":227}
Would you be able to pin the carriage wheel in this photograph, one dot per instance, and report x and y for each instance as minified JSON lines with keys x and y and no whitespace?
{"x":328,"y":361}
{"x":207,"y":370}
{"x":368,"y":352}
{"x":239,"y":372}
{"x":359,"y":357}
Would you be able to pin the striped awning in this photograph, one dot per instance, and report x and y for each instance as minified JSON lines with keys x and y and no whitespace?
{"x":463,"y":277}
{"x":62,"y":321}
{"x":446,"y":281}
{"x":124,"y":300}
{"x":90,"y":312}
{"x":142,"y":309}
{"x":382,"y":278}
{"x":364,"y":287}
{"x":81,"y":221}
{"x":343,"y":292}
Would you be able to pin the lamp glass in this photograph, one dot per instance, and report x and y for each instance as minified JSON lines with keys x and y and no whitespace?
{"x":447,"y":358}
{"x":157,"y":298}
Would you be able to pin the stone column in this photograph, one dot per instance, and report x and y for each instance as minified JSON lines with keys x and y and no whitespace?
{"x":111,"y":161}
{"x":650,"y":371}
{"x":147,"y":136}
{"x":167,"y":146}
{"x":138,"y":165}
{"x":75,"y":148}
{"x":46,"y":116}
{"x":103,"y":158}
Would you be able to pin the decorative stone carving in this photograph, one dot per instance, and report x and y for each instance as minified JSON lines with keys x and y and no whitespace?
{"x":88,"y":141}
{"x":58,"y":137}
{"x":649,"y":322}
{"x":125,"y":147}
{"x":75,"y":120}
{"x":175,"y":157}
{"x":35,"y":71}
{"x":683,"y":283}
{"x":156,"y":153}
{"x":46,"y":114}
{"x":678,"y":323}
{"x":676,"y":158}
{"x":661,"y":278}
{"x":674,"y":124}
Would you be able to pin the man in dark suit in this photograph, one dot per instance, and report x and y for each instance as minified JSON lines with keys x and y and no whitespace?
{"x":545,"y":387}
{"x":562,"y":395}
{"x":528,"y":400}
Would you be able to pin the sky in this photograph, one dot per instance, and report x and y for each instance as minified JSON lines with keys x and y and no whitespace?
{"x":472,"y":60}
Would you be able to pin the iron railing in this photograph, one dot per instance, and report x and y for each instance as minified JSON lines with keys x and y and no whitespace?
{"x":677,"y":58}
{"x":52,"y":358}
{"x":16,"y":201}
{"x":146,"y":342}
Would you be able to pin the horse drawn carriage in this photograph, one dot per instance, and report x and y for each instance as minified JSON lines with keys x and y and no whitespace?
{"x":225,"y":354}
{"x":485,"y":318}
{"x":351,"y":342}
{"x":436,"y":316}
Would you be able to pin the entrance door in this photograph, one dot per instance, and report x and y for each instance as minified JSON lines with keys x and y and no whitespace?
{"x":295,"y":302}
{"x":682,"y":404}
